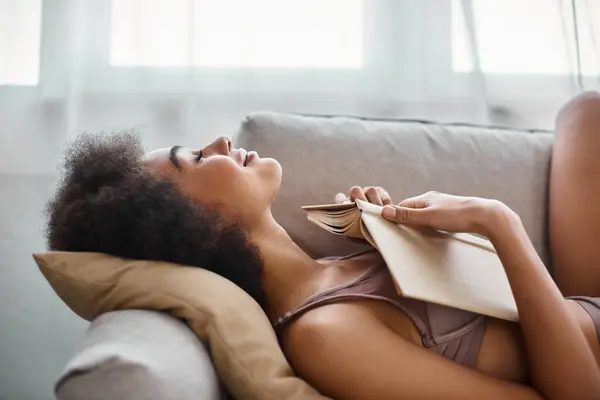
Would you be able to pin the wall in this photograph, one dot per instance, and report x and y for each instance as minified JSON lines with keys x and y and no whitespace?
{"x":38,"y":332}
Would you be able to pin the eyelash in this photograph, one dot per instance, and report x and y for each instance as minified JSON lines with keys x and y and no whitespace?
{"x":198,"y":157}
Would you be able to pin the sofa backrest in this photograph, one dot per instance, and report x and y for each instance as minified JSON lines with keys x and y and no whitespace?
{"x":322,"y":156}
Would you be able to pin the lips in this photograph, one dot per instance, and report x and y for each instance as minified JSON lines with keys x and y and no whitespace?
{"x":241,"y":156}
{"x":251,"y":156}
{"x":246,"y":157}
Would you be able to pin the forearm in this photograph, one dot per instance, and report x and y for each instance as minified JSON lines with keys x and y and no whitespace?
{"x":561,"y":364}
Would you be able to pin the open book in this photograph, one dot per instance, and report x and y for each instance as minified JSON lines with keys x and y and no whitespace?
{"x":458,"y":270}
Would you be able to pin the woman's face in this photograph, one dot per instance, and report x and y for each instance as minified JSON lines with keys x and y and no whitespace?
{"x":240,"y":184}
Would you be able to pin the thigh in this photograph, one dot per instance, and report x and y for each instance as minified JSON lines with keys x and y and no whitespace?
{"x":574,"y":198}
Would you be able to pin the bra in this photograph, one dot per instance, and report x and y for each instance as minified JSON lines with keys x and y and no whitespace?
{"x":450,"y":332}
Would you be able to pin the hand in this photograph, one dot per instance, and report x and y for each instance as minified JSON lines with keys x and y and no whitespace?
{"x":449,"y":213}
{"x":372,"y":194}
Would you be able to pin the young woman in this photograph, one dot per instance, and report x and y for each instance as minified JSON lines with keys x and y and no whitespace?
{"x":340,"y":323}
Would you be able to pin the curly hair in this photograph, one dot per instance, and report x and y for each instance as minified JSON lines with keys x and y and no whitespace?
{"x":107,"y":201}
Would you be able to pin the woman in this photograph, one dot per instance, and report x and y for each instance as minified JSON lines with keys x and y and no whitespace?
{"x":339,"y":321}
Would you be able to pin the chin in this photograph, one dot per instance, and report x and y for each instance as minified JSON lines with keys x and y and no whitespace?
{"x":270,"y":167}
{"x":271,"y":172}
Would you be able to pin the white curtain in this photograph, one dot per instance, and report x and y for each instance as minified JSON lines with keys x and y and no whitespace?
{"x":185,"y":71}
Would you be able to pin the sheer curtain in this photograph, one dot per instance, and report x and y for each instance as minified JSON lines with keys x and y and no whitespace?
{"x":191,"y":69}
{"x":184,"y":71}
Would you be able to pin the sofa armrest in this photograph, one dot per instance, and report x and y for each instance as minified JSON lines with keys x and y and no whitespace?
{"x":137,"y":354}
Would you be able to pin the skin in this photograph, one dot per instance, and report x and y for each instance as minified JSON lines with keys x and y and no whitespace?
{"x":356,"y":350}
{"x":574,"y":207}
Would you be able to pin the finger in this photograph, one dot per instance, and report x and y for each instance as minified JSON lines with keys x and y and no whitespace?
{"x":414,"y":202}
{"x":356,"y":192}
{"x":341,"y":198}
{"x":386,"y":199}
{"x":373,"y":196}
{"x":405,"y":215}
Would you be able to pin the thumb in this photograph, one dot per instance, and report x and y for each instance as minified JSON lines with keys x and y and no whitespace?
{"x":402,"y":214}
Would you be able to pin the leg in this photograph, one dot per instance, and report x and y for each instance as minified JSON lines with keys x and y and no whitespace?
{"x":574,"y":209}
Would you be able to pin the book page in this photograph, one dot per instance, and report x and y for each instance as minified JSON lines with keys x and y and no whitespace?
{"x":336,"y":221}
{"x":341,"y":219}
{"x":462,"y":272}
{"x":331,"y":207}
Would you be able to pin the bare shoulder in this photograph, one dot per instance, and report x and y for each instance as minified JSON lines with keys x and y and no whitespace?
{"x":317,"y":342}
{"x":332,"y":319}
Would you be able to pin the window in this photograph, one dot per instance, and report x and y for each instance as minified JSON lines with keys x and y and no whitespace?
{"x":526,"y":37}
{"x":20,"y":28}
{"x":237,"y":33}
{"x":385,"y":53}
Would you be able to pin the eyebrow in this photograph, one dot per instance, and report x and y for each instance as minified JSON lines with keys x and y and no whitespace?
{"x":173,"y":157}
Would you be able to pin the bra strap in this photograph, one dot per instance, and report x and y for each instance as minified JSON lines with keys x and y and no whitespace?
{"x":322,"y":298}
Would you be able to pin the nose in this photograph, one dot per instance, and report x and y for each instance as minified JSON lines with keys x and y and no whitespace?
{"x":221,"y":145}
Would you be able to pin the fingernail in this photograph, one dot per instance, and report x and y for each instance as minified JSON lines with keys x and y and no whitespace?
{"x":388,"y":212}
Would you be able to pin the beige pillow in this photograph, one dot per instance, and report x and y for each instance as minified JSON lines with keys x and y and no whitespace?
{"x":242,"y":342}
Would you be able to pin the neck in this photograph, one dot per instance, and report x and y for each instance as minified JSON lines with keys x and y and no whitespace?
{"x":289,"y":274}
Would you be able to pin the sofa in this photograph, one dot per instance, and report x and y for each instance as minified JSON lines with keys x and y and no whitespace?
{"x":145,"y":354}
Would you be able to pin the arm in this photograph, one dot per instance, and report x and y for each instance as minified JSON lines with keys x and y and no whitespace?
{"x":358,"y":357}
{"x":561,"y":364}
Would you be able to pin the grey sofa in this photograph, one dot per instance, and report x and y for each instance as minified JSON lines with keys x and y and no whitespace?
{"x":141,"y":355}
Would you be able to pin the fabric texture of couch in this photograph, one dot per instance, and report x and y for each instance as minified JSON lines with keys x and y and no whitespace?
{"x":139,"y":354}
{"x":147,"y":355}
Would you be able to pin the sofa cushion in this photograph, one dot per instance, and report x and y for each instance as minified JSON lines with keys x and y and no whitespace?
{"x":141,"y":355}
{"x":325,"y":155}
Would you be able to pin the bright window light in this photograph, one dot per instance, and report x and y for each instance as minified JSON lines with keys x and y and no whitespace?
{"x":237,"y":33}
{"x":20,"y":28}
{"x":526,"y":37}
{"x":588,"y":16}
